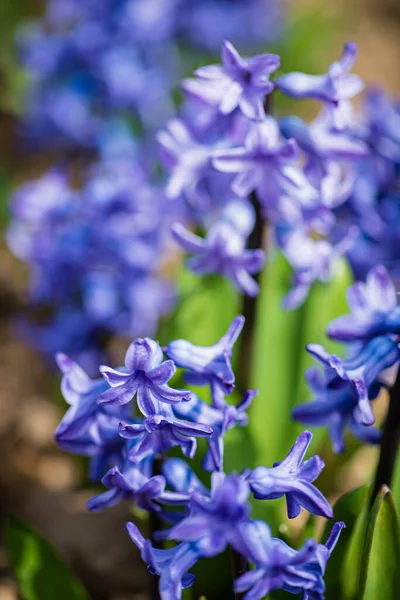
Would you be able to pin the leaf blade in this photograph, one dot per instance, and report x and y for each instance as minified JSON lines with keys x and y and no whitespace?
{"x":40,"y":573}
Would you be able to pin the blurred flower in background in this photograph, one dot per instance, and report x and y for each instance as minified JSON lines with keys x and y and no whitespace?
{"x":89,"y":61}
{"x":94,"y":228}
{"x":95,"y":253}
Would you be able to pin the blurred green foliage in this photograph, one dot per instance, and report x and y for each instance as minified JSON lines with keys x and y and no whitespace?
{"x":13,"y":80}
{"x":39,"y":572}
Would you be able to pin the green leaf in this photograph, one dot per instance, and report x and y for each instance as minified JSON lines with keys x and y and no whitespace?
{"x":39,"y":572}
{"x":346,"y":509}
{"x":273,"y":369}
{"x":380,"y":562}
{"x":349,"y":574}
{"x":273,"y":374}
{"x":205,"y":311}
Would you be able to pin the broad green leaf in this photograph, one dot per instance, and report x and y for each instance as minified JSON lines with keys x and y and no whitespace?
{"x":380,"y":562}
{"x":273,"y":374}
{"x":39,"y":572}
{"x":346,"y":509}
{"x":273,"y":368}
{"x":205,"y":310}
{"x":349,"y":574}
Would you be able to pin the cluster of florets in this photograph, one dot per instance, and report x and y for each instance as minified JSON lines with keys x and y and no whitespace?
{"x":130,"y":418}
{"x":343,"y":391}
{"x":326,"y":188}
{"x":89,"y":61}
{"x":95,"y":254}
{"x":375,"y":199}
{"x":232,"y":164}
{"x":296,"y":176}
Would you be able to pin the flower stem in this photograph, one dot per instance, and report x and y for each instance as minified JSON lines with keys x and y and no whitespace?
{"x":155,"y":524}
{"x":254,"y":242}
{"x":239,"y":566}
{"x":390,"y":442}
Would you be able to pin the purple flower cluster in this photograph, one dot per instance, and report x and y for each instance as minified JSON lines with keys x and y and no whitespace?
{"x":344,"y":390}
{"x":95,"y":254}
{"x":89,"y":63}
{"x":374,"y":203}
{"x":129,"y":418}
{"x":227,"y":147}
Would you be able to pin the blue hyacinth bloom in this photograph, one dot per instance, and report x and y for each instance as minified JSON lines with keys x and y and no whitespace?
{"x":208,"y":364}
{"x":145,"y":375}
{"x":293,"y":478}
{"x":374,"y":310}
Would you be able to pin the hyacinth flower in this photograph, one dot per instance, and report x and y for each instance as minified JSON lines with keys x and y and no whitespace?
{"x":293,"y":478}
{"x":171,"y":564}
{"x":209,"y":364}
{"x":239,"y":82}
{"x":222,"y":251}
{"x":217,"y":520}
{"x":81,"y":393}
{"x":279,"y":566}
{"x":87,"y":64}
{"x":312,"y":260}
{"x":160,"y":432}
{"x":182,"y":478}
{"x":132,"y":483}
{"x":220,"y":419}
{"x":88,"y":428}
{"x":267,"y":165}
{"x":321,"y":141}
{"x":334,"y":405}
{"x":324,"y":147}
{"x":145,"y":376}
{"x":374,"y":310}
{"x":207,"y":25}
{"x":92,"y":253}
{"x":334,"y":88}
{"x":362,"y":370}
{"x":187,"y":160}
{"x":203,"y":522}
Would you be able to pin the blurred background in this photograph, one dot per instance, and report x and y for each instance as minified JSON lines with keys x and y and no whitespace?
{"x":38,"y":481}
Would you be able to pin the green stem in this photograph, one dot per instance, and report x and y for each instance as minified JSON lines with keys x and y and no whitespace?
{"x":390,"y":442}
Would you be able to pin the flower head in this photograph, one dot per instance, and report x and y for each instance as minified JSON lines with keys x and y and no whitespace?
{"x":132,"y":483}
{"x":334,"y":405}
{"x":334,"y":88}
{"x":239,"y":82}
{"x":160,"y":432}
{"x":267,"y":165}
{"x":362,"y":370}
{"x":222,"y":251}
{"x":279,"y":566}
{"x":145,"y":375}
{"x":87,"y":428}
{"x":208,"y":364}
{"x":373,"y":308}
{"x":220,"y":418}
{"x":171,"y":565}
{"x":312,"y":260}
{"x":293,"y":478}
{"x":216,"y":521}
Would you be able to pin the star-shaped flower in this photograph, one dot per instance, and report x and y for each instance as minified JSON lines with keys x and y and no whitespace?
{"x":239,"y":82}
{"x":144,"y":376}
{"x":293,"y":478}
